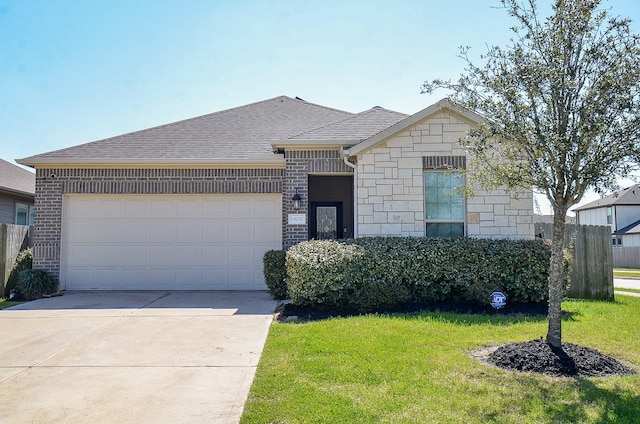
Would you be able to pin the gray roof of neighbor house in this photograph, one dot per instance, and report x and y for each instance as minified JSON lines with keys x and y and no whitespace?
{"x":627,"y":196}
{"x":17,"y":180}
{"x":629,"y":229}
{"x":239,"y":135}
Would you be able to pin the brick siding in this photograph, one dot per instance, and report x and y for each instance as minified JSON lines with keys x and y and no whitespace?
{"x":52,"y":184}
{"x":299,"y":164}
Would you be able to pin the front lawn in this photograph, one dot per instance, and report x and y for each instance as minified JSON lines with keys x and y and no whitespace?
{"x":620,"y":289}
{"x":626,"y":273}
{"x":4,"y":304}
{"x":417,"y":368}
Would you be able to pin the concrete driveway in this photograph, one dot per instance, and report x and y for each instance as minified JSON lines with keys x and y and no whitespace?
{"x":131,"y":357}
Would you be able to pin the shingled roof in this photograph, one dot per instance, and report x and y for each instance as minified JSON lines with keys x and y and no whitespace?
{"x":16,"y":180}
{"x":241,"y":134}
{"x":627,"y":196}
{"x":357,"y":127}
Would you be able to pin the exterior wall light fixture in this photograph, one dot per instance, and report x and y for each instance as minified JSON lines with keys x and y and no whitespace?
{"x":296,"y":200}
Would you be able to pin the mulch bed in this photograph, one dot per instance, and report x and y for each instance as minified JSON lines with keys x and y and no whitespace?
{"x":535,"y":356}
{"x":511,"y":310}
{"x":572,"y":360}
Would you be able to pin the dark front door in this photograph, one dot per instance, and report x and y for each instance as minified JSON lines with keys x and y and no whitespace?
{"x":326,"y":221}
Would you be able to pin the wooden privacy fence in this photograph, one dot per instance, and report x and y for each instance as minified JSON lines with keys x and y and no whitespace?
{"x":592,"y":274}
{"x":626,"y":257}
{"x":11,"y":240}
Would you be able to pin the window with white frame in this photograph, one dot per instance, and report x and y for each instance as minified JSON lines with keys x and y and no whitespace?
{"x":444,"y":204}
{"x":609,"y":215}
{"x":25,"y":214}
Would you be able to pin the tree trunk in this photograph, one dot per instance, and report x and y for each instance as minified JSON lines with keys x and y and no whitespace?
{"x":556,"y":280}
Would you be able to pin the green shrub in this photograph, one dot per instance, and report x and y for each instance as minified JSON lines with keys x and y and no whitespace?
{"x":372,"y":273}
{"x":275,"y":273}
{"x":33,"y":283}
{"x":24,"y":261}
{"x":318,"y":273}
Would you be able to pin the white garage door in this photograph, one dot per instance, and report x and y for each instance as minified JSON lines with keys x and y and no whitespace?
{"x":178,"y":242}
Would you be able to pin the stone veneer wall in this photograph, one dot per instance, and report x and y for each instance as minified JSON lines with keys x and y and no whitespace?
{"x":52,"y":184}
{"x":390,"y":192}
{"x":299,"y":164}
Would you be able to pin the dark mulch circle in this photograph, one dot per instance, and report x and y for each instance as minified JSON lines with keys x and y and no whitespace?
{"x":511,"y":310}
{"x":572,"y":360}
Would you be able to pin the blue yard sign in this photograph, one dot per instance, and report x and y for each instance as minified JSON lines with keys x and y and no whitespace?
{"x":498,"y":300}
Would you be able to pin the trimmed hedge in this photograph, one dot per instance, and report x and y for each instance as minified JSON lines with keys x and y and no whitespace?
{"x":275,"y":273}
{"x":372,"y":273}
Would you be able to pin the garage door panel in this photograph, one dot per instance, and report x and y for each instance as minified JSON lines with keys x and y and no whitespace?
{"x":214,"y":230}
{"x":133,"y":255}
{"x":188,"y":255}
{"x":156,"y":242}
{"x":189,"y":231}
{"x":215,"y":253}
{"x":162,"y":231}
{"x":136,"y":208}
{"x":187,"y":208}
{"x":106,"y":255}
{"x":240,"y":254}
{"x":265,"y":231}
{"x":215,"y":279}
{"x":108,"y":232}
{"x":80,"y":229}
{"x":162,"y":278}
{"x":135,"y":231}
{"x":240,"y":230}
{"x":135,"y":279}
{"x":108,"y":208}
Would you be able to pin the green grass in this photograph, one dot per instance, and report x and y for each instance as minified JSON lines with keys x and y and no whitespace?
{"x":4,"y":304}
{"x":627,"y":290}
{"x":626,"y":272}
{"x":416,"y":369}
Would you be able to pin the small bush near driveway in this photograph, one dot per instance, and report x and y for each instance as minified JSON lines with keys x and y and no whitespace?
{"x":33,"y":283}
{"x":275,"y":273}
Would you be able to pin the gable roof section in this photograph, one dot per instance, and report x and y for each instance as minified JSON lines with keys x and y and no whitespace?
{"x":348,"y":131}
{"x":237,"y":135}
{"x":627,"y":196}
{"x":16,"y":180}
{"x":410,"y":121}
{"x":629,"y":229}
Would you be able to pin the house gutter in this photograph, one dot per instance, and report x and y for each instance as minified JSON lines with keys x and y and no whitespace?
{"x":345,"y":159}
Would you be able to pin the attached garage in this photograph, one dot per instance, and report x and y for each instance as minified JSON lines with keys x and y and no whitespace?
{"x":168,"y":242}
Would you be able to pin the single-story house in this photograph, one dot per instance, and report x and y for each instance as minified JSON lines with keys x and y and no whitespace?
{"x":620,"y":211}
{"x":17,"y":194}
{"x":193,"y":205}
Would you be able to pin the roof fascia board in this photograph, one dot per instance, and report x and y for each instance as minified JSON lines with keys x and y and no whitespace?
{"x":275,"y":163}
{"x":11,"y":192}
{"x":312,"y":144}
{"x":414,"y":120}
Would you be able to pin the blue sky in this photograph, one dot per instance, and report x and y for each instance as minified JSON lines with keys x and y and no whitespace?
{"x":74,"y":71}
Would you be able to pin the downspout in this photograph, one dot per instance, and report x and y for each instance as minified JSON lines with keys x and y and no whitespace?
{"x":345,"y":159}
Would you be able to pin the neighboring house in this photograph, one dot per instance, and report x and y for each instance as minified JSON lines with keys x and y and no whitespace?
{"x":194,"y":204}
{"x":621,"y":211}
{"x":17,"y":194}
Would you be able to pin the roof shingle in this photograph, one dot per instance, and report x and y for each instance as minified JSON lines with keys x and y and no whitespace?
{"x":234,"y":134}
{"x":16,"y":179}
